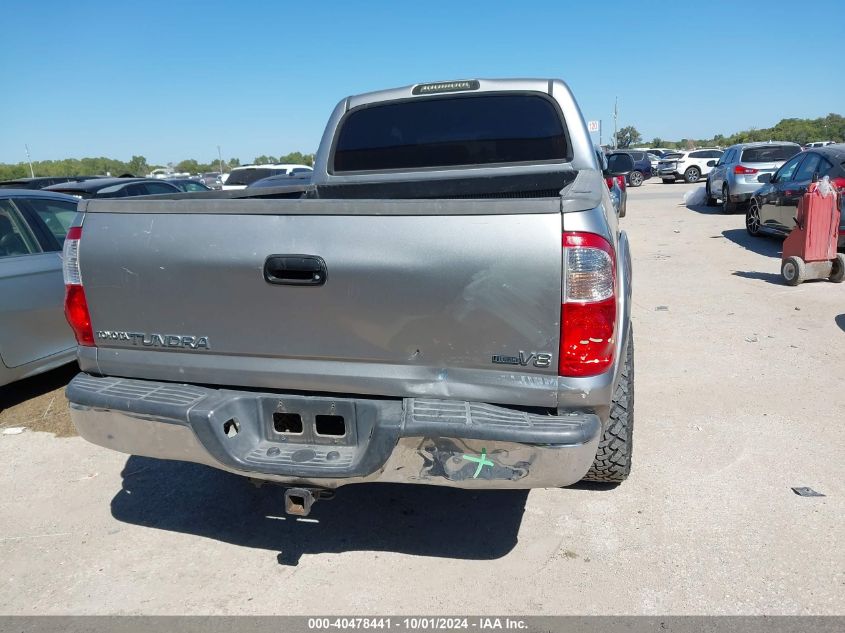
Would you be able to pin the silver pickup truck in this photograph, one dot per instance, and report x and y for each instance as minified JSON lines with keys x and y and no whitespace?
{"x":447,"y":302}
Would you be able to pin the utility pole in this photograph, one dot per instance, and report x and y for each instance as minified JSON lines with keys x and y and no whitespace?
{"x":29,"y":160}
{"x":615,"y":115}
{"x":220,"y":160}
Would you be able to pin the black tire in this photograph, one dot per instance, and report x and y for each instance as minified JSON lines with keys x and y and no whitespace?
{"x":837,"y":273}
{"x":752,"y":219}
{"x":635,"y":178}
{"x":710,"y":201}
{"x":668,"y":181}
{"x":793,"y":270}
{"x":613,"y":459}
{"x":727,"y":205}
{"x":692,"y":174}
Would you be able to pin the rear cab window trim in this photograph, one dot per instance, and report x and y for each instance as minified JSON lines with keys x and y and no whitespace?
{"x":463,"y":167}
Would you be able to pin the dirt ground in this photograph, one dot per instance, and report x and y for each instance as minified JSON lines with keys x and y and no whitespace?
{"x":739,"y":398}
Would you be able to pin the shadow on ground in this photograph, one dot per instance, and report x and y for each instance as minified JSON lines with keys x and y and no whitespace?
{"x":772,"y":278}
{"x":409,"y":519}
{"x":840,"y":321}
{"x":767,"y":246}
{"x":17,"y":392}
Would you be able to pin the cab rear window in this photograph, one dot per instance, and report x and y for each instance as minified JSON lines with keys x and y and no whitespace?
{"x":451,"y":131}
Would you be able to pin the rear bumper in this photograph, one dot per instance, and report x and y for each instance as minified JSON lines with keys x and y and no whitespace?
{"x":411,"y":440}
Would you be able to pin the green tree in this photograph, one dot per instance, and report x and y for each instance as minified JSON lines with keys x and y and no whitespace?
{"x":628,"y":136}
{"x":189,"y":166}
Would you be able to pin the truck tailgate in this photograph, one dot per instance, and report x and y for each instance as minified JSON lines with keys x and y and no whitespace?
{"x":418,"y":297}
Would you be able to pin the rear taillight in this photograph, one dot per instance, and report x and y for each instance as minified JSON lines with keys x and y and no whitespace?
{"x":621,"y":182}
{"x":609,"y":181}
{"x":741,"y":169}
{"x":839,"y":183}
{"x":588,"y":305}
{"x":76,"y":307}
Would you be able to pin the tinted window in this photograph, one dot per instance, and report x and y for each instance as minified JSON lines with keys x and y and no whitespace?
{"x":727,"y":157}
{"x":57,"y":215}
{"x":638,"y":155}
{"x":786,"y":172}
{"x":248,"y":176}
{"x":443,"y":132}
{"x":617,"y":163}
{"x":699,"y":154}
{"x":159,"y":187}
{"x":825,"y":167}
{"x":14,"y":237}
{"x":769,"y":153}
{"x":809,"y":167}
{"x":194,"y":186}
{"x":671,"y":156}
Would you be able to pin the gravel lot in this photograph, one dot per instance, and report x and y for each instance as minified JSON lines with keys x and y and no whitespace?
{"x":739,"y":396}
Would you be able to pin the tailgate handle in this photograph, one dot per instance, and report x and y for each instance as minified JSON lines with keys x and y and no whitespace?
{"x":295,"y":270}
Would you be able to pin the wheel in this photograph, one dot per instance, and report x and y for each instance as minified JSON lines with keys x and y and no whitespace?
{"x":727,"y":205}
{"x":613,"y":459}
{"x":793,"y":271}
{"x":709,"y":200}
{"x":837,"y":273}
{"x":752,"y":219}
{"x":692,"y":174}
{"x":635,"y":178}
{"x":668,"y":181}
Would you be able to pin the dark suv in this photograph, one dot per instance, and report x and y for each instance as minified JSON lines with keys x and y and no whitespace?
{"x":642,"y":166}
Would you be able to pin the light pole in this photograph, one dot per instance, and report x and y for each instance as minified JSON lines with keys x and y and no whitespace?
{"x":29,"y":160}
{"x":615,"y":115}
{"x":220,"y":160}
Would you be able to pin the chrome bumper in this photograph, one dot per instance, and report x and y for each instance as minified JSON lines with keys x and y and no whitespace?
{"x":441,"y":442}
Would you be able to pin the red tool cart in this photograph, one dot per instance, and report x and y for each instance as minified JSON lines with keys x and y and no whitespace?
{"x":809,"y":251}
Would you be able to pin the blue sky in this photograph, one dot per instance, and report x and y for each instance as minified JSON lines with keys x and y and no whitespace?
{"x":172,"y":80}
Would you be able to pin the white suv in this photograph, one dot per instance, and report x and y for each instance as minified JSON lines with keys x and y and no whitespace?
{"x":689,"y":166}
{"x":241,"y":177}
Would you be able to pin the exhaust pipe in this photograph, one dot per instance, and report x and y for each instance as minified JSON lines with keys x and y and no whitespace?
{"x":298,"y":501}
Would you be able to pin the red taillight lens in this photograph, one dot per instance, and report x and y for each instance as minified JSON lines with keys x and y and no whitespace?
{"x":739,"y":169}
{"x":839,"y":183}
{"x":621,"y":181}
{"x":588,"y":306}
{"x":76,"y":307}
{"x":76,"y":312}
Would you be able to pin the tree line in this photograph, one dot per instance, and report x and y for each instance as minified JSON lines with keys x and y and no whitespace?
{"x":136,"y":166}
{"x":828,"y":128}
{"x":802,"y":131}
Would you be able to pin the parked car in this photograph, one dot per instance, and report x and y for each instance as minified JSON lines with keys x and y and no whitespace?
{"x":211,"y":179}
{"x":641,"y":170}
{"x":734,"y":176}
{"x":377,"y":330}
{"x":188,"y":184}
{"x":689,"y":166}
{"x":34,"y":335}
{"x":774,"y":205}
{"x":815,"y":144}
{"x":115,"y":187}
{"x":241,"y":177}
{"x":41,"y":182}
{"x":282,"y":180}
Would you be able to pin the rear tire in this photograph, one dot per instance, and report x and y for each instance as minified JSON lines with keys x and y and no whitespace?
{"x":635,"y":178}
{"x":837,"y":273}
{"x":692,"y":174}
{"x":727,"y":205}
{"x":613,"y":459}
{"x":793,"y":270}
